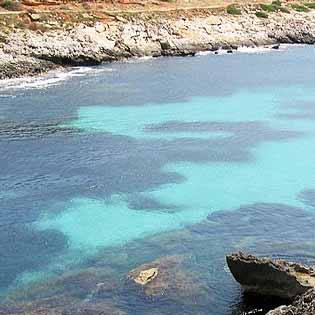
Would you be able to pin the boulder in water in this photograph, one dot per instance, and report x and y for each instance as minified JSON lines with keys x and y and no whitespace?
{"x":271,"y":277}
{"x":165,"y":276}
{"x":145,"y":276}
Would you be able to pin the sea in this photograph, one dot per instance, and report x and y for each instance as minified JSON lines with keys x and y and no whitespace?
{"x":178,"y":160}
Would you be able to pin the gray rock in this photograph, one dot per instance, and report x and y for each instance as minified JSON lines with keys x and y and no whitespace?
{"x":270,"y":277}
{"x":17,"y":66}
{"x":303,"y":305}
{"x":34,"y":17}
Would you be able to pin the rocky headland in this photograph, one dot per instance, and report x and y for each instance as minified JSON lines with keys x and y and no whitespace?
{"x":49,"y":45}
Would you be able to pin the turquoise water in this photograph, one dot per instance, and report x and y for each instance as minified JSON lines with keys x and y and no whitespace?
{"x":208,"y":186}
{"x":204,"y":155}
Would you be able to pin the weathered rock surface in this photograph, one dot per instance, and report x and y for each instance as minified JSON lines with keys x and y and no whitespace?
{"x":271,"y":277}
{"x":303,"y":305}
{"x":16,"y":66}
{"x":141,"y":36}
{"x":146,"y":276}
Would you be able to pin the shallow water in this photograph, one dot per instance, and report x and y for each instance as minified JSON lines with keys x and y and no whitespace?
{"x":103,"y":169}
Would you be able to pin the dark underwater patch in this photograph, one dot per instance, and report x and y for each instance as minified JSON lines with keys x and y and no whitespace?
{"x":22,"y":249}
{"x":11,"y":131}
{"x":140,"y":202}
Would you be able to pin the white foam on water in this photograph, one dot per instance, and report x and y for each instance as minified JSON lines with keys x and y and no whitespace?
{"x":255,"y":50}
{"x":242,"y":49}
{"x":251,"y":50}
{"x":205,"y":53}
{"x":267,"y":49}
{"x":52,"y":78}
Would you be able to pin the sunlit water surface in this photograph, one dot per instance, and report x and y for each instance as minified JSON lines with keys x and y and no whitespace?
{"x":103,"y":169}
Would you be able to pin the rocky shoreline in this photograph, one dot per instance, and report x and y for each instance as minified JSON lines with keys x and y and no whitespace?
{"x":27,"y":52}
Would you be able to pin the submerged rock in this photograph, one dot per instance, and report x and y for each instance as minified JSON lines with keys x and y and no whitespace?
{"x":164,"y":277}
{"x":303,"y":305}
{"x":61,"y":306}
{"x":83,"y":284}
{"x":145,"y":276}
{"x":271,"y":277}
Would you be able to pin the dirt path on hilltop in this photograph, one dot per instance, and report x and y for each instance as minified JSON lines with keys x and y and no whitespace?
{"x":147,"y":7}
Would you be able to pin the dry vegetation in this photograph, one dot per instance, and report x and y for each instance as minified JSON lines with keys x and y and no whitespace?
{"x":44,"y":15}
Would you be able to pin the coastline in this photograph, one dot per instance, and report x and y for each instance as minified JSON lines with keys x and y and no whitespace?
{"x":25,"y":52}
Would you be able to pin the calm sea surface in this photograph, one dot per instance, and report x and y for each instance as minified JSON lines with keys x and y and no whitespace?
{"x":104,"y":169}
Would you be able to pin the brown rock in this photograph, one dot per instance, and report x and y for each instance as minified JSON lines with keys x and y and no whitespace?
{"x":165,"y":276}
{"x":145,"y":276}
{"x":271,"y":277}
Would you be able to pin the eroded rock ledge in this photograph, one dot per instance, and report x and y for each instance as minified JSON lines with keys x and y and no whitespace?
{"x":271,"y":277}
{"x":278,"y":278}
{"x":138,"y":36}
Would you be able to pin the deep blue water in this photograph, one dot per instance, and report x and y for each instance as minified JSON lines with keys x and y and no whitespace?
{"x":106,"y":168}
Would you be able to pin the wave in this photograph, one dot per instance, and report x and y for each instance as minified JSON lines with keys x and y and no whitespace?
{"x":52,"y":78}
{"x":267,"y":49}
{"x":255,"y":50}
{"x":251,"y":50}
{"x":242,"y":49}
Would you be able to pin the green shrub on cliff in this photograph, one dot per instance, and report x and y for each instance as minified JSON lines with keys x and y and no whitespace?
{"x":284,"y":10}
{"x":300,"y":8}
{"x":276,"y":3}
{"x":275,"y":6}
{"x":261,"y":14}
{"x":310,"y":5}
{"x":268,"y":7}
{"x":232,"y":9}
{"x":10,"y":5}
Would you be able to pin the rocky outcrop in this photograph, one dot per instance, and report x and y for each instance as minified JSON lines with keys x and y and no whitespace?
{"x":303,"y":305}
{"x":16,"y":66}
{"x":139,"y":36}
{"x":271,"y":277}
